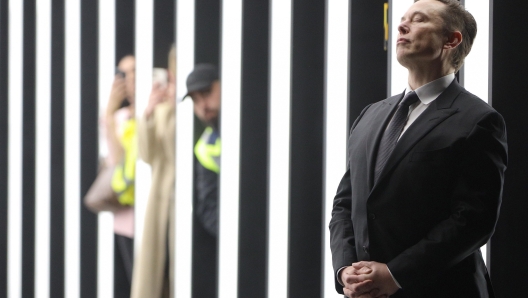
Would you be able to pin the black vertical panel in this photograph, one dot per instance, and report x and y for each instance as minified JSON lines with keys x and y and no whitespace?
{"x":4,"y":103}
{"x":57,"y":151}
{"x":508,"y":257}
{"x":125,"y":24}
{"x":368,"y":58}
{"x":89,"y":142}
{"x":164,"y":25}
{"x":206,"y":50}
{"x":207,"y":31}
{"x":306,"y":163}
{"x":206,"y":40}
{"x":28,"y":151}
{"x":252,"y":269}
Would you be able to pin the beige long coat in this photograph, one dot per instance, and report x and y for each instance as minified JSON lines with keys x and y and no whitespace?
{"x":156,"y":138}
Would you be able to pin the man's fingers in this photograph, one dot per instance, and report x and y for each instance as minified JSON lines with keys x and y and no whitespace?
{"x":362,"y":287}
{"x":361,"y":264}
{"x":363,"y":270}
{"x":354,"y":271}
{"x":352,"y":278}
{"x":347,"y":292}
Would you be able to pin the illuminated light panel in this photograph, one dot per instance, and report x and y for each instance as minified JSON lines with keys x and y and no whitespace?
{"x":476,"y":65}
{"x":144,"y":62}
{"x":279,"y":148}
{"x":72,"y":204}
{"x":230,"y":173}
{"x":184,"y":151}
{"x":336,"y":116}
{"x":43,"y":154}
{"x":105,"y":237}
{"x":14,"y":232}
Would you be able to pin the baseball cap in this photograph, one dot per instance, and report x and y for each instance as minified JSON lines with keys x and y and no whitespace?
{"x":203,"y":75}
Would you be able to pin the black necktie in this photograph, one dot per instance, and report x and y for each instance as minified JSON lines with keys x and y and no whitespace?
{"x":390,"y":137}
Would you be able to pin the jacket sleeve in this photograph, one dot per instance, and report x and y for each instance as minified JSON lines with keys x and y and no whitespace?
{"x":482,"y":159}
{"x":342,"y":239}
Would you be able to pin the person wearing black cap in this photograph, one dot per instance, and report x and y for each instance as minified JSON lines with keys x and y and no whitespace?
{"x":203,"y":86}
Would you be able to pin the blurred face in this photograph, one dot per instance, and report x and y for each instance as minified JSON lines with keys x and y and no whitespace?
{"x":421,"y":37}
{"x":207,"y":104}
{"x":128,"y":66}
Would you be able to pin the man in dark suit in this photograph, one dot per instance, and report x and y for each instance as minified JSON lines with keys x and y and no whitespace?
{"x":424,"y":178}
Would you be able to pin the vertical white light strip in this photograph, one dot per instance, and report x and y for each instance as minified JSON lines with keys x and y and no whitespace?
{"x":105,"y":240}
{"x":43,"y":154}
{"x":336,"y":132}
{"x":184,"y":150}
{"x":476,"y":64}
{"x":398,"y":72}
{"x":72,"y":277}
{"x":230,"y":172}
{"x":14,"y":265}
{"x":279,"y":148}
{"x":144,"y":62}
{"x":476,"y":72}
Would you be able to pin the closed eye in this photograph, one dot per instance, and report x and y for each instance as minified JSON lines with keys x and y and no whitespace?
{"x":418,"y":16}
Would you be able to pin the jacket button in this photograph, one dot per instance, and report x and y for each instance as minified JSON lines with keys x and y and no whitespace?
{"x":372,"y":216}
{"x":365,"y":249}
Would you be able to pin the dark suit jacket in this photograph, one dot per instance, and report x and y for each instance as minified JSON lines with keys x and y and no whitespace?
{"x":437,"y":199}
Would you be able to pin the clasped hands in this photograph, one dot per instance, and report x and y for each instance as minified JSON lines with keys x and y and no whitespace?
{"x":368,"y":280}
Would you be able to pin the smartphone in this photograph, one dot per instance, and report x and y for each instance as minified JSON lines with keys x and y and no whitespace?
{"x":120,"y":73}
{"x":160,"y":76}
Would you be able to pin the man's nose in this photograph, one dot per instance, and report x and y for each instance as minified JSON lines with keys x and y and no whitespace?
{"x":402,"y":28}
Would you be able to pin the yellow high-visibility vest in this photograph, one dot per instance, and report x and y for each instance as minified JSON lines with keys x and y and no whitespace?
{"x":208,"y":149}
{"x":124,"y":172}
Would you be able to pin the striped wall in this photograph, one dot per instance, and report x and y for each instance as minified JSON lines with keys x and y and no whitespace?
{"x":288,"y":68}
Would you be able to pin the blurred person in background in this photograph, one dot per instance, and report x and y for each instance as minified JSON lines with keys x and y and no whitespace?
{"x":153,"y":270}
{"x":120,"y":126}
{"x":203,"y":86}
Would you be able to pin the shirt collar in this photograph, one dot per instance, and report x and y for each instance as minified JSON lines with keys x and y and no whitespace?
{"x":430,"y":91}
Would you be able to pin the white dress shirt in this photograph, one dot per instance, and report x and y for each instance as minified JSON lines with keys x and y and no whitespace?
{"x":427,"y":94}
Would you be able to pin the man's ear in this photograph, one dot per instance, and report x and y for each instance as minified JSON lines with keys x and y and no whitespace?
{"x":453,"y":40}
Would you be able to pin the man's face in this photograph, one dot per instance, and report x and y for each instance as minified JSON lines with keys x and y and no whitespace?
{"x":421,"y":37}
{"x":207,"y":104}
{"x":128,"y":66}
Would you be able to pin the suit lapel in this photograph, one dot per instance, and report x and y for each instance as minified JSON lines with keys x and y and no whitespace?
{"x":439,"y":110}
{"x":378,"y":125}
